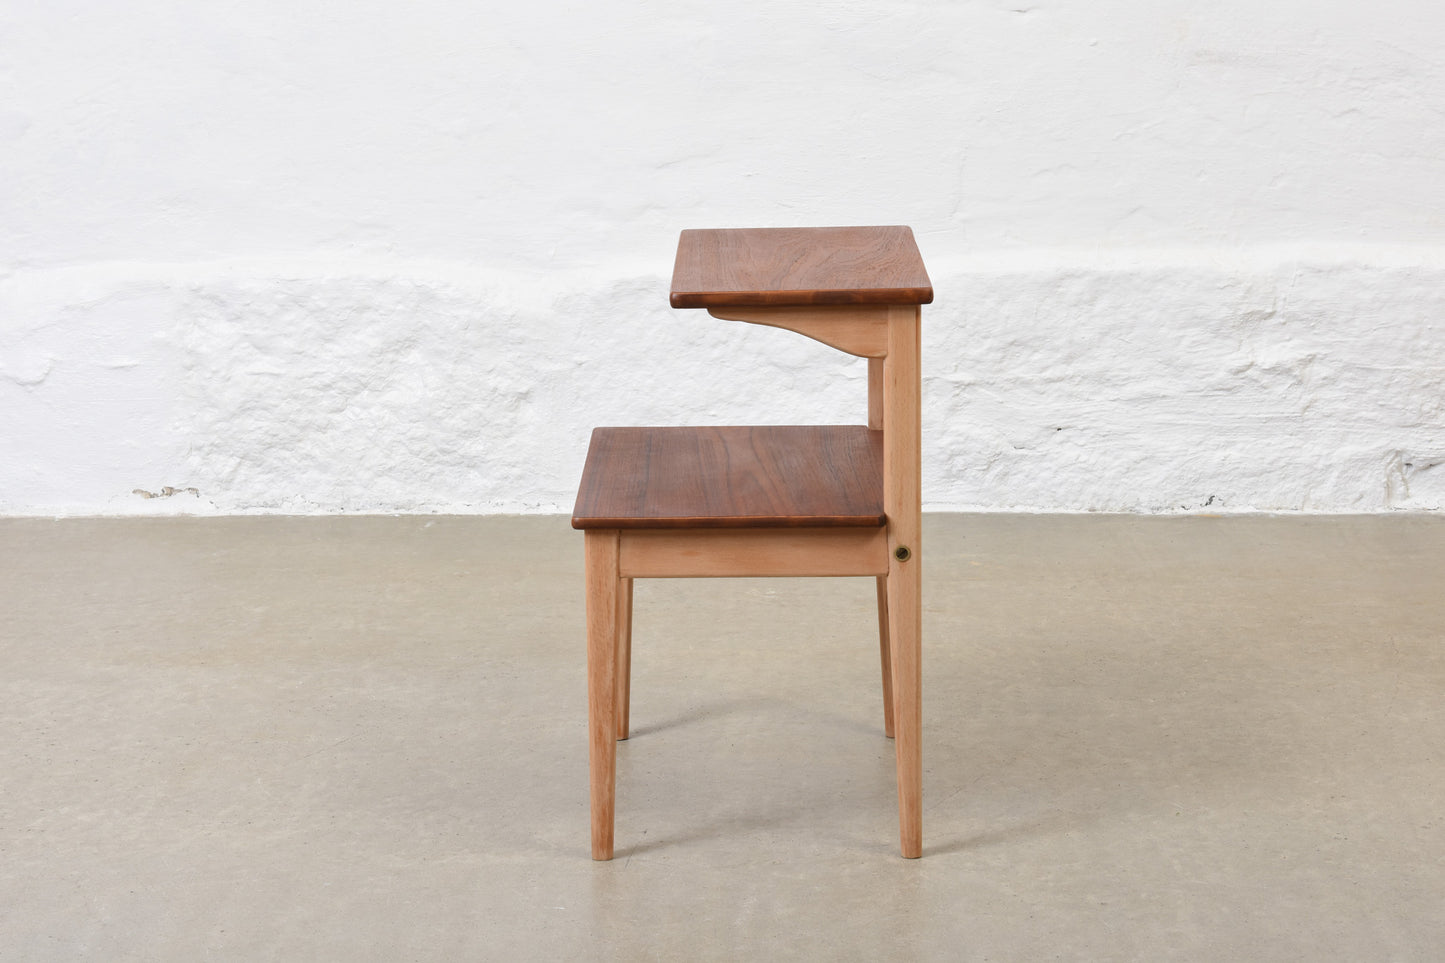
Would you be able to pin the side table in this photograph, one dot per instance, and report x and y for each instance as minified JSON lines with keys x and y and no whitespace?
{"x":838,"y":500}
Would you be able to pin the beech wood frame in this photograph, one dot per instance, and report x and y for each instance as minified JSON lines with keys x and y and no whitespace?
{"x":888,"y":336}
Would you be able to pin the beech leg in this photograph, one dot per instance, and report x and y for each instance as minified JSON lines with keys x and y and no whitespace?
{"x":624,"y":657}
{"x":603,"y":589}
{"x":886,"y":659}
{"x":902,"y":500}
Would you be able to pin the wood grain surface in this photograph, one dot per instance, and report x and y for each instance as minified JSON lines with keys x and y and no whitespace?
{"x":799,"y":266}
{"x":735,"y":477}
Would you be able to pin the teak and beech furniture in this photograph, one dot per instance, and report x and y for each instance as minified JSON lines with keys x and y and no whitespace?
{"x":764,"y":501}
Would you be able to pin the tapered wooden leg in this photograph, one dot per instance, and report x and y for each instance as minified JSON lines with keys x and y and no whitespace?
{"x":624,"y":657}
{"x":902,"y":503}
{"x":885,"y":657}
{"x":876,"y":370}
{"x":603,"y":590}
{"x":904,"y":636}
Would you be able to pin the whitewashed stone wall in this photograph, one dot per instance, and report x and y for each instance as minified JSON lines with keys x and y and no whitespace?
{"x":387,"y":258}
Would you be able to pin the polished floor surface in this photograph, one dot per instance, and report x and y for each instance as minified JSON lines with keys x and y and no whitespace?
{"x":1146,"y":738}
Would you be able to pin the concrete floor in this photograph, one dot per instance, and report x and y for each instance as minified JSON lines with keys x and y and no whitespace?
{"x":363,"y":739}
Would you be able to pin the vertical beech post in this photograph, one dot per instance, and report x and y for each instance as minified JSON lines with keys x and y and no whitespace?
{"x":902,"y":502}
{"x":603,"y":587}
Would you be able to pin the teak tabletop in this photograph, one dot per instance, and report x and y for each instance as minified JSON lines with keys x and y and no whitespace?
{"x":771,"y":477}
{"x":796,"y":266}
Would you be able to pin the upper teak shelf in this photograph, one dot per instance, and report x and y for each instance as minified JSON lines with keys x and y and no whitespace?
{"x":796,"y":266}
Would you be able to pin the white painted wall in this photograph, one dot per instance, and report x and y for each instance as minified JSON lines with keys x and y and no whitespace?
{"x":305,"y":256}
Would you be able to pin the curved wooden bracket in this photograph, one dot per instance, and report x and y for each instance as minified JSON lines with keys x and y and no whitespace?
{"x":860,"y":330}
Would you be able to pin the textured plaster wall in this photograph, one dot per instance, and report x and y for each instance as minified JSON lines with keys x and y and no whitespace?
{"x":382,"y":257}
